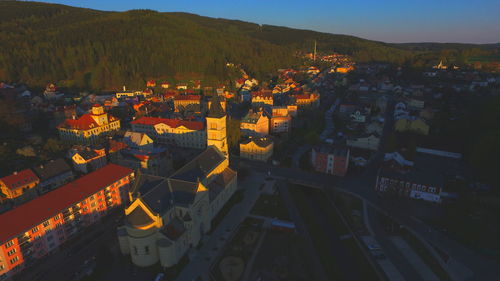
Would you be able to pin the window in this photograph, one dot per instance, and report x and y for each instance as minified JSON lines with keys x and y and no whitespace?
{"x":9,"y":244}
{"x":13,"y":261}
{"x":146,"y":249}
{"x":46,"y":223}
{"x":11,"y":252}
{"x":35,"y":229}
{"x":92,"y":205}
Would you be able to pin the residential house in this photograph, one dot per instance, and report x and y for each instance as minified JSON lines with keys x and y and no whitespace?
{"x":257,"y":148}
{"x":330,"y":159}
{"x":139,"y":153}
{"x":182,"y":102}
{"x":86,"y":159}
{"x":411,"y":125}
{"x":307,"y":99}
{"x":18,"y":183}
{"x":255,"y":123}
{"x":53,"y":174}
{"x":262,"y":98}
{"x":370,"y":142}
{"x":281,"y":121}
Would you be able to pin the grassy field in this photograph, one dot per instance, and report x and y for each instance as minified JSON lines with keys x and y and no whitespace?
{"x":331,"y":262}
{"x":271,"y":206}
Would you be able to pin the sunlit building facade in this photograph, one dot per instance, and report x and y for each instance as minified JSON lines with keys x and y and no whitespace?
{"x":34,"y":229}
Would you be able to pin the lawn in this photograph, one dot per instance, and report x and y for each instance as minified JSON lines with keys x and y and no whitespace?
{"x":271,"y":206}
{"x":231,"y":264}
{"x":331,"y":262}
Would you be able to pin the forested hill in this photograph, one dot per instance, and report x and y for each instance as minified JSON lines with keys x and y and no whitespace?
{"x":91,"y":49}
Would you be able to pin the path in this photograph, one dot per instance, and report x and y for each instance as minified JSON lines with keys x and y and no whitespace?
{"x":202,"y":259}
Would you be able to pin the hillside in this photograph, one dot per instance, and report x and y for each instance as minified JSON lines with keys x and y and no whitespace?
{"x":91,"y":49}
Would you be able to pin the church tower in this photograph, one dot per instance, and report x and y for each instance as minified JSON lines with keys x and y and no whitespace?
{"x":216,"y":127}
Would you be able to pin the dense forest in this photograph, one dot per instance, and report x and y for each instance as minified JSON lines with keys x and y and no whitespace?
{"x":89,"y":49}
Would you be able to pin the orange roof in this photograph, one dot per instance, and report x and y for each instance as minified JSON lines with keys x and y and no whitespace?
{"x":188,"y":97}
{"x":85,"y":122}
{"x":264,"y":94}
{"x":173,"y":123}
{"x":34,"y":212}
{"x":19,"y":179}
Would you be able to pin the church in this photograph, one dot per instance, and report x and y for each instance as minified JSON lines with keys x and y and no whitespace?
{"x":167,"y":217}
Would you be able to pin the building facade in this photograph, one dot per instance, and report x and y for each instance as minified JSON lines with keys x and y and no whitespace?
{"x":262,"y":98}
{"x":89,"y":127}
{"x":15,"y":185}
{"x":255,"y":124}
{"x":370,"y":142}
{"x":330,"y":160}
{"x":260,"y":149}
{"x":86,"y":159}
{"x":34,"y":229}
{"x":189,"y":134}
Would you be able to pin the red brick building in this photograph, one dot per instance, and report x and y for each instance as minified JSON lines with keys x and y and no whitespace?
{"x":330,"y":160}
{"x":38,"y":227}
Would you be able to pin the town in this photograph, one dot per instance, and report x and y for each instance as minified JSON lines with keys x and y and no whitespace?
{"x":349,"y":164}
{"x":247,"y":141}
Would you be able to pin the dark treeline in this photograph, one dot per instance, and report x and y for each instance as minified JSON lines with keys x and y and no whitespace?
{"x":89,"y":49}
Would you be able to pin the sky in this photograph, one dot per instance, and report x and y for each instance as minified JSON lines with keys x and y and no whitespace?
{"x":464,"y":21}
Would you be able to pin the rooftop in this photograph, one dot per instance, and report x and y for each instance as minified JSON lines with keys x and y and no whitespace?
{"x":32,"y":213}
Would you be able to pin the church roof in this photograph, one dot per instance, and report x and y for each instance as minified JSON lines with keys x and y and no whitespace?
{"x":216,"y":110}
{"x":138,"y":218}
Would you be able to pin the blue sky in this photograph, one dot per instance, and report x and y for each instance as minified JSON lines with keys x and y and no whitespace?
{"x":471,"y":21}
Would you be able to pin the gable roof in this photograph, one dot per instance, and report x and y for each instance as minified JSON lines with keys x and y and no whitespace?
{"x":260,"y":142}
{"x":34,"y":212}
{"x":19,"y":179}
{"x":52,"y":169}
{"x":200,"y":166}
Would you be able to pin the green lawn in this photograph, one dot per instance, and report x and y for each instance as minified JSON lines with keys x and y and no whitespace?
{"x":271,"y":206}
{"x":330,"y":261}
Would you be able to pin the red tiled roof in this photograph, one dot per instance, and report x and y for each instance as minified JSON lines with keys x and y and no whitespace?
{"x":173,"y":123}
{"x":19,"y":179}
{"x":115,"y":146}
{"x":264,"y":94}
{"x":303,"y":96}
{"x":85,"y":122}
{"x":188,"y":97}
{"x":34,"y":212}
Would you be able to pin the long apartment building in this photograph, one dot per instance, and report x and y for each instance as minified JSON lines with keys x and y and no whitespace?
{"x":183,"y":133}
{"x":32,"y":230}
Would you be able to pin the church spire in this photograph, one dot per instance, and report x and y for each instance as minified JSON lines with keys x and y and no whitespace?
{"x":216,"y":110}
